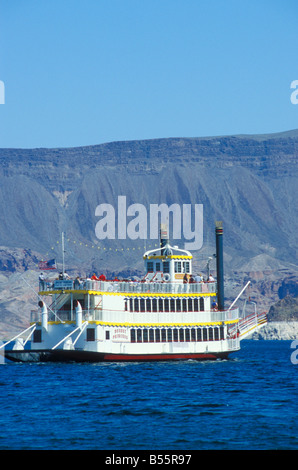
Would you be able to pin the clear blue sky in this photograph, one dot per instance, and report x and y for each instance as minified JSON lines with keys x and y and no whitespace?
{"x":84,"y":72}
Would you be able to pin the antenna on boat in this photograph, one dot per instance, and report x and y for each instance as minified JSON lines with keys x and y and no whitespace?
{"x":63,"y":268}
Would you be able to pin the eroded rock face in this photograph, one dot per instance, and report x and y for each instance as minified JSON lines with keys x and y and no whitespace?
{"x":277,"y":331}
{"x":285,"y":309}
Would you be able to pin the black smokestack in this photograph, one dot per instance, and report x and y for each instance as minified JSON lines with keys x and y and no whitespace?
{"x":219,"y":265}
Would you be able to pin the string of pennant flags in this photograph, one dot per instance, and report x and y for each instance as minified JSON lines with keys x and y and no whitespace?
{"x":104,"y":248}
{"x":51,"y":264}
{"x":145,"y":247}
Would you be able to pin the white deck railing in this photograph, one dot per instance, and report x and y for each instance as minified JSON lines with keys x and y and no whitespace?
{"x":116,"y":316}
{"x":129,"y":287}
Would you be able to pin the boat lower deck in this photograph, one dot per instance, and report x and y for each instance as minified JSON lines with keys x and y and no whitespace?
{"x":69,"y":355}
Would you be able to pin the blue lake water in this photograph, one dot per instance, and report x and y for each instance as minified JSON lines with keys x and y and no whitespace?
{"x":247,"y":402}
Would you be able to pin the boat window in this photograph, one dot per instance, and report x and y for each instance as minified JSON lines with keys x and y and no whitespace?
{"x":184,"y":305}
{"x":166,"y":267}
{"x":150,"y":266}
{"x":160,"y":305}
{"x":170,"y":336}
{"x":132,"y":336}
{"x":163,"y":335}
{"x":145,"y":335}
{"x":166,"y":305}
{"x":136,"y":305}
{"x":139,"y":335}
{"x":90,"y":335}
{"x":205,"y":334}
{"x":181,"y":335}
{"x":202,"y":308}
{"x":172,"y":303}
{"x":187,"y":334}
{"x":157,"y":336}
{"x":107,"y":335}
{"x":131,"y":305}
{"x":193,"y":334}
{"x":216,"y":334}
{"x":37,"y":336}
{"x":195,"y":305}
{"x":175,"y":334}
{"x":190,"y":308}
{"x":222,"y":333}
{"x":210,"y":331}
{"x":199,"y":334}
{"x":151,"y":335}
{"x":157,"y":266}
{"x":148,"y":305}
{"x":186,"y":266}
{"x":154,"y":305}
{"x":142,"y":305}
{"x":178,"y":268}
{"x":178,"y":305}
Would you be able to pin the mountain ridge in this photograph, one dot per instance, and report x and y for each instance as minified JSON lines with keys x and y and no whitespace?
{"x":293,"y":133}
{"x":226,"y":174}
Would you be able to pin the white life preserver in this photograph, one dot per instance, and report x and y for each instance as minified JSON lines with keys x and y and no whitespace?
{"x":166,"y":277}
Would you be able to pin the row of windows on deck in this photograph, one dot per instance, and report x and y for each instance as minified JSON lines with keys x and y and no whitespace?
{"x":164,"y":305}
{"x":169,"y":335}
{"x":157,"y":335}
{"x":180,"y":266}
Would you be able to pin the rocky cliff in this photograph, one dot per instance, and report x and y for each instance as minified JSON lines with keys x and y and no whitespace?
{"x":249,"y":182}
{"x":277,"y":331}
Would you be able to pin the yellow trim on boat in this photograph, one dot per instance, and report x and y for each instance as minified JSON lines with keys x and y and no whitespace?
{"x":148,"y":325}
{"x":131,"y":294}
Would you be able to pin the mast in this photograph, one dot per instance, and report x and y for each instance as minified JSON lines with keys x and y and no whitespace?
{"x":63,"y":268}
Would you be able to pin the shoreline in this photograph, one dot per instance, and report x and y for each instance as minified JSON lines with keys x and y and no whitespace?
{"x":282,"y":330}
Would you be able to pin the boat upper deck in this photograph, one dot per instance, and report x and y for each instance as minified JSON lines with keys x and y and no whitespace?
{"x":129,"y":288}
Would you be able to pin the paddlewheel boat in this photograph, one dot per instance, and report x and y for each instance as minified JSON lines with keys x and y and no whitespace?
{"x":162,"y":317}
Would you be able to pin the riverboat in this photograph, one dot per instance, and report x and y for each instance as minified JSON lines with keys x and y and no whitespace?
{"x":166,"y":316}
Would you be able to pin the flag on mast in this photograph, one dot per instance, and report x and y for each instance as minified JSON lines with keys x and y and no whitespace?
{"x":47,"y":265}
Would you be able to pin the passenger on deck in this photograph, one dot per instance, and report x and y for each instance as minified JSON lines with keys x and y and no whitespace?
{"x":102,"y":277}
{"x":185,"y":279}
{"x":211,"y":279}
{"x":77,"y":283}
{"x":191,"y":279}
{"x":198,"y":278}
{"x":41,"y":282}
{"x":94,"y":278}
{"x":63,"y":276}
